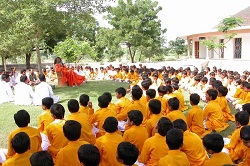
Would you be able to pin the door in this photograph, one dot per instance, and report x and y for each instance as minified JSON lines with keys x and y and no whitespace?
{"x":196,"y":50}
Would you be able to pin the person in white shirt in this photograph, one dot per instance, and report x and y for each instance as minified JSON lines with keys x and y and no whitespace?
{"x":23,"y":92}
{"x":5,"y":90}
{"x":43,"y":90}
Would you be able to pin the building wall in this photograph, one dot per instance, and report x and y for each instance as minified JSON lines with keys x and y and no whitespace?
{"x":246,"y":47}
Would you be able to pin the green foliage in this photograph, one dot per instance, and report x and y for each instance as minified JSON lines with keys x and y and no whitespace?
{"x":229,"y":23}
{"x":73,"y":50}
{"x":178,"y":46}
{"x":135,"y":25}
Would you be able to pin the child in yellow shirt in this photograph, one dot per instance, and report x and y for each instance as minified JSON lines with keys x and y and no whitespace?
{"x":85,"y":105}
{"x":111,"y":105}
{"x":175,"y":157}
{"x":162,"y":91}
{"x":214,"y":144}
{"x":72,"y":131}
{"x":89,"y":154}
{"x":174,"y":112}
{"x":150,"y":95}
{"x":127,"y":153}
{"x":135,"y":118}
{"x":21,"y":145}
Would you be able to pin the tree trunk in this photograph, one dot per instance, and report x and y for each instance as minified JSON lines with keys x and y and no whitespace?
{"x":39,"y":61}
{"x":140,"y":56}
{"x":4,"y":63}
{"x":131,"y":55}
{"x":27,"y":58}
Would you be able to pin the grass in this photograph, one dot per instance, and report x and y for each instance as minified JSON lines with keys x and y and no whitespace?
{"x":93,"y":88}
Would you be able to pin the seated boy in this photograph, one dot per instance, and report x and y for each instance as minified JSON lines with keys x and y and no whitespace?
{"x":174,"y":157}
{"x":135,"y":118}
{"x":41,"y":158}
{"x":222,"y":92}
{"x":89,"y":155}
{"x":150,"y":95}
{"x":85,"y":105}
{"x":54,"y":130}
{"x":174,"y":112}
{"x":101,"y":114}
{"x":194,"y":117}
{"x":122,"y":103}
{"x":45,"y":118}
{"x":22,"y":119}
{"x":155,"y":109}
{"x":212,"y":113}
{"x":21,"y":145}
{"x":127,"y":153}
{"x":192,"y":144}
{"x":241,"y":119}
{"x":111,"y":105}
{"x":72,"y":131}
{"x":155,"y":147}
{"x":179,"y":96}
{"x":214,"y":144}
{"x":162,"y":90}
{"x":86,"y":129}
{"x":108,"y":143}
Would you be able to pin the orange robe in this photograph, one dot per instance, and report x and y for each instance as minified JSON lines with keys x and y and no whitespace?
{"x":44,"y":120}
{"x":86,"y":110}
{"x":195,"y":121}
{"x":86,"y":130}
{"x":193,"y":148}
{"x":174,"y":158}
{"x":122,"y":105}
{"x":246,"y":99}
{"x":176,"y":114}
{"x":218,"y":159}
{"x":19,"y":160}
{"x":35,"y":140}
{"x":213,"y":117}
{"x":68,"y":155}
{"x":137,"y":139}
{"x":153,"y":149}
{"x":56,"y":137}
{"x":225,"y":109}
{"x":107,"y":145}
{"x":164,"y":105}
{"x":151,"y":123}
{"x":99,"y":117}
{"x":180,"y":97}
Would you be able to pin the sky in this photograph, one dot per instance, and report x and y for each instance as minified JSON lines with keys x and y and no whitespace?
{"x":184,"y":17}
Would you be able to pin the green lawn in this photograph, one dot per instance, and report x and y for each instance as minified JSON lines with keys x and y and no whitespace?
{"x":93,"y":88}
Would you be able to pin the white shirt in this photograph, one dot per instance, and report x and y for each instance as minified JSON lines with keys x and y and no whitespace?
{"x":23,"y":94}
{"x":42,"y":90}
{"x":6,"y":94}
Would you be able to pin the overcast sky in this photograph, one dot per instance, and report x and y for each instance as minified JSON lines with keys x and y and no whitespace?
{"x":183,"y":17}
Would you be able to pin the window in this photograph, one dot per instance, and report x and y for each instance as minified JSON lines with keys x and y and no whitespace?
{"x":237,"y":48}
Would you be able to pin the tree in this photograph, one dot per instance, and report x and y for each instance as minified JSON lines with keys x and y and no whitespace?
{"x":25,"y":25}
{"x":178,"y":47}
{"x":73,"y":50}
{"x":135,"y":25}
{"x":225,"y":26}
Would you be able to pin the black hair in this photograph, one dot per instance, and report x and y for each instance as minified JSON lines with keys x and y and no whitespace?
{"x":162,"y":89}
{"x":57,"y":110}
{"x":56,"y":59}
{"x":154,"y":106}
{"x":20,"y":142}
{"x":42,"y":77}
{"x":89,"y":155}
{"x":246,"y":107}
{"x":175,"y":80}
{"x":108,"y":94}
{"x":174,"y":139}
{"x":167,"y":80}
{"x":195,"y":98}
{"x":127,"y":153}
{"x":47,"y":102}
{"x":136,"y":117}
{"x":180,"y":124}
{"x":5,"y":76}
{"x":41,"y":158}
{"x":23,"y":78}
{"x":73,"y":105}
{"x":145,"y":84}
{"x":103,"y":101}
{"x":22,"y":70}
{"x":245,"y":133}
{"x":169,"y":89}
{"x":242,"y":117}
{"x":212,"y":93}
{"x":84,"y":100}
{"x":174,"y":103}
{"x":204,"y":79}
{"x":164,"y":125}
{"x":175,"y":86}
{"x":223,"y":90}
{"x":72,"y":130}
{"x":197,"y":78}
{"x":121,"y":91}
{"x":136,"y":92}
{"x":110,"y":124}
{"x":151,"y":93}
{"x":22,"y":118}
{"x":214,"y":142}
